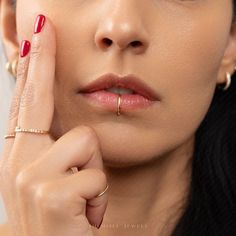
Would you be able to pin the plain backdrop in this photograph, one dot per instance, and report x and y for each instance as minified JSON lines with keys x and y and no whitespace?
{"x":7,"y":84}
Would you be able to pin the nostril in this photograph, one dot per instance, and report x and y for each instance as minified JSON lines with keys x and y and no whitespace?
{"x":136,"y":44}
{"x":107,"y":42}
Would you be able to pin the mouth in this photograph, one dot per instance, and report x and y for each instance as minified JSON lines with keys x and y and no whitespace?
{"x":133,"y":91}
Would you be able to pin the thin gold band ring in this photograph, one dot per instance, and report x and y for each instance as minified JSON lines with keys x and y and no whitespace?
{"x":21,"y":130}
{"x":75,"y":170}
{"x":9,"y":136}
{"x":118,"y":105}
{"x":34,"y":131}
{"x":103,"y":192}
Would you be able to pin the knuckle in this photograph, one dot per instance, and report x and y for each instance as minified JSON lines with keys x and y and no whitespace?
{"x":21,"y":68}
{"x":13,"y":113}
{"x":23,"y":181}
{"x":15,"y":102}
{"x":36,"y":48}
{"x":28,"y":95}
{"x":100,"y":176}
{"x":89,"y":135}
{"x":41,"y":195}
{"x":47,"y":199}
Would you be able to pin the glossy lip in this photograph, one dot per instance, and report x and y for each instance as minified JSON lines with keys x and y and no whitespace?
{"x":129,"y":81}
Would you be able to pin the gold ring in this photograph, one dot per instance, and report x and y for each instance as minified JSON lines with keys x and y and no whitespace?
{"x":103,"y":192}
{"x":34,"y":131}
{"x":9,"y":136}
{"x":118,"y":105}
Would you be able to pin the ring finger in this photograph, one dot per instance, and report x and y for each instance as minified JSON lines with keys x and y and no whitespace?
{"x":22,"y":69}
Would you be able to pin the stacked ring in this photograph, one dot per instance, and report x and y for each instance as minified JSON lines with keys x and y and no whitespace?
{"x":21,"y":130}
{"x":35,"y":131}
{"x":9,"y":136}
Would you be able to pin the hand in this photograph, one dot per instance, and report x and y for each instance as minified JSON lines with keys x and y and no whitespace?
{"x":41,"y":193}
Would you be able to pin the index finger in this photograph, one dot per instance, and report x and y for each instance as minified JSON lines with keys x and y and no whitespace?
{"x":37,"y":101}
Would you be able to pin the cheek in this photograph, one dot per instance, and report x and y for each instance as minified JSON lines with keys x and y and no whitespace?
{"x":187,"y":59}
{"x":182,"y":64}
{"x":25,"y":17}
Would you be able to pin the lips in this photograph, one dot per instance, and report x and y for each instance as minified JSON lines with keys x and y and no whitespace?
{"x":127,"y":82}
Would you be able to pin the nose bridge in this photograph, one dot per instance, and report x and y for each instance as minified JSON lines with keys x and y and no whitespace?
{"x":122,"y":26}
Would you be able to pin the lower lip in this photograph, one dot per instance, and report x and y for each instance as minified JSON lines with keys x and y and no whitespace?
{"x":110,"y":100}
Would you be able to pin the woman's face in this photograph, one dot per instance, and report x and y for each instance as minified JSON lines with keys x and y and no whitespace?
{"x":185,"y":43}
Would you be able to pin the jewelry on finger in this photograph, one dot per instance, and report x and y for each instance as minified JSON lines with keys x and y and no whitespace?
{"x":103,"y":192}
{"x":118,"y":105}
{"x":9,"y":136}
{"x":34,"y":131}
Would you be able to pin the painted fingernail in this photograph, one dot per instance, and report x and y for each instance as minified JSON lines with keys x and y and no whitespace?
{"x":39,"y":23}
{"x":25,"y":48}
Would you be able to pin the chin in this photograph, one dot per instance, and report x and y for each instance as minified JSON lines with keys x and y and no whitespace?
{"x":118,"y":155}
{"x":121,"y":162}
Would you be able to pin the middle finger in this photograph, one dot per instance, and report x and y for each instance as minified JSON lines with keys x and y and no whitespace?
{"x":37,"y":101}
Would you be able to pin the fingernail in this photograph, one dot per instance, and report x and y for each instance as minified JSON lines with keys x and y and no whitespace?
{"x":100,"y":224}
{"x":39,"y":23}
{"x":25,"y":48}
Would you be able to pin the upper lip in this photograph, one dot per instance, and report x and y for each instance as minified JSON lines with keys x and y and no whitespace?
{"x":129,"y":82}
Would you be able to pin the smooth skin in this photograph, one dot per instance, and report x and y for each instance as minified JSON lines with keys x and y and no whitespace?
{"x":187,"y":48}
{"x":44,"y":197}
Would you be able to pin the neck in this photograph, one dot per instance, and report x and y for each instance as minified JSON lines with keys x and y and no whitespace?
{"x":143,"y":199}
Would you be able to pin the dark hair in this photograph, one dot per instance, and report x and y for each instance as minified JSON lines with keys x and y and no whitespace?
{"x":211,"y":203}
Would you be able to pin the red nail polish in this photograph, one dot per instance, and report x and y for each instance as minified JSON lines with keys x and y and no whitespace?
{"x":25,"y":48}
{"x":39,"y":23}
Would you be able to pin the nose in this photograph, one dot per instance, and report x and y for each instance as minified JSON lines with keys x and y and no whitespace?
{"x":122,"y":29}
